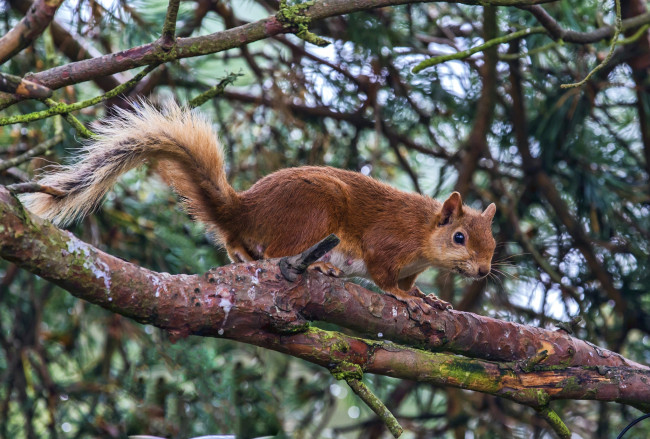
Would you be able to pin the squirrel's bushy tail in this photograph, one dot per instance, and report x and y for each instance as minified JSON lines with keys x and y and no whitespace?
{"x":180,"y":143}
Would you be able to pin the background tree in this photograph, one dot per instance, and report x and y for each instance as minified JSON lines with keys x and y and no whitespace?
{"x":567,"y":167}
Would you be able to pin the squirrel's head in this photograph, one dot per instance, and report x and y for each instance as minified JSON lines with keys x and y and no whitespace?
{"x":462,"y":238}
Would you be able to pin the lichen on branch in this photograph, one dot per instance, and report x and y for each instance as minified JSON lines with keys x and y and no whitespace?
{"x":293,"y":16}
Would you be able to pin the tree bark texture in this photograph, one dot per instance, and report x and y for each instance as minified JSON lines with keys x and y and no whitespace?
{"x":253,"y":303}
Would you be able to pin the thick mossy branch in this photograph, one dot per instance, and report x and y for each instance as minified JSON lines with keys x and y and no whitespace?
{"x":246,"y":302}
{"x":68,"y":108}
{"x":480,"y":48}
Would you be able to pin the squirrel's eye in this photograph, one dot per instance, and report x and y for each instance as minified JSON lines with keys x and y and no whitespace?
{"x":459,"y":238}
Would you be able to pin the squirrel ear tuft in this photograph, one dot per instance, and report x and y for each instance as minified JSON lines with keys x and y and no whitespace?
{"x":452,"y":207}
{"x":489,"y":212}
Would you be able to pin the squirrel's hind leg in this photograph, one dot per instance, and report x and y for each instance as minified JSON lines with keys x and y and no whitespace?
{"x":238,"y":253}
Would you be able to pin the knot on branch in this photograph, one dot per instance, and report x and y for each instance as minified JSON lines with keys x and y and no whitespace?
{"x":529,"y":364}
{"x":165,"y":49}
{"x":294,"y":17}
{"x":347,"y":371}
{"x":571,"y":326}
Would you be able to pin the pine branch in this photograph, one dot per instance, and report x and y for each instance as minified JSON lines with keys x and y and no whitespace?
{"x":234,"y":302}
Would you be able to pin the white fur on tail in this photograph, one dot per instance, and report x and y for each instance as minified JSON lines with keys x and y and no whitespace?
{"x":124,"y":142}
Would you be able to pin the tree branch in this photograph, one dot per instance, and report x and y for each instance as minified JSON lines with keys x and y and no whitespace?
{"x":41,"y":148}
{"x":169,"y":27}
{"x":253,"y":303}
{"x":22,"y":87}
{"x":557,"y":32}
{"x":154,"y":52}
{"x":68,"y":108}
{"x":38,"y":17}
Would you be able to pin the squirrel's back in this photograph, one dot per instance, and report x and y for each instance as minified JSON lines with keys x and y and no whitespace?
{"x":386,"y":234}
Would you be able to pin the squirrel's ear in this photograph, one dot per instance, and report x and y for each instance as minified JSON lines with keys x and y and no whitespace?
{"x":489,"y":212}
{"x":453,"y":206}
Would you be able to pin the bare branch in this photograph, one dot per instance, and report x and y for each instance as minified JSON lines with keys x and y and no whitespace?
{"x":39,"y":149}
{"x":24,"y":188}
{"x":38,"y":17}
{"x":22,"y":87}
{"x":557,"y":32}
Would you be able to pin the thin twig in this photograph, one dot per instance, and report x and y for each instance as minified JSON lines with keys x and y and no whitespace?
{"x":635,"y":36}
{"x":352,"y":374}
{"x":376,"y":405}
{"x":169,"y":27}
{"x":617,"y":31}
{"x":531,"y":52}
{"x":72,"y":120}
{"x":37,"y":150}
{"x":471,"y":51}
{"x":558,"y":426}
{"x":24,"y":188}
{"x":214,"y":91}
{"x":63,"y":108}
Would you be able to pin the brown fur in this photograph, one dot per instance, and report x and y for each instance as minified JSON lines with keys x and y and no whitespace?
{"x":393,"y":235}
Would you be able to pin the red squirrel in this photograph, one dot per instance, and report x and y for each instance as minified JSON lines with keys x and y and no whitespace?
{"x":387,"y":235}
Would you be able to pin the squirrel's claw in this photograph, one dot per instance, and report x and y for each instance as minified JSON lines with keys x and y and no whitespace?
{"x":436,"y":302}
{"x":430,"y":299}
{"x":412,"y":302}
{"x":327,"y":268}
{"x":415,"y":303}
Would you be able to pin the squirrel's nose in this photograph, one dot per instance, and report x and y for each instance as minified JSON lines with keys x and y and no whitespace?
{"x":483,"y":270}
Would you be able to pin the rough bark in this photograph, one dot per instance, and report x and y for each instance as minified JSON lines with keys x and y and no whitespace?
{"x":253,"y":303}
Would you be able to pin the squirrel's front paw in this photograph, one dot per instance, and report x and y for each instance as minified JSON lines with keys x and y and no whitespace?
{"x":430,"y":299}
{"x":414,"y":304}
{"x":436,"y":302}
{"x":326,"y":268}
